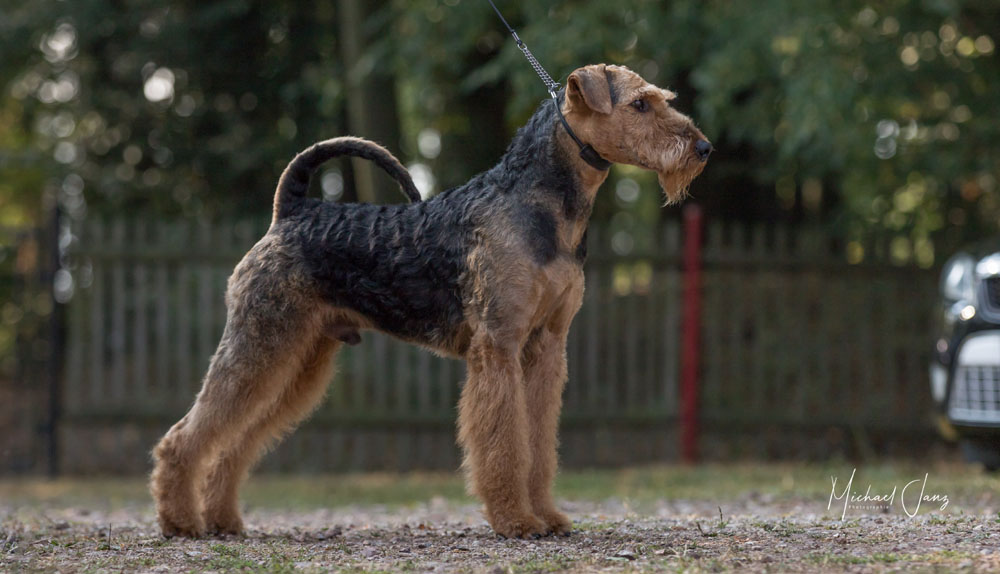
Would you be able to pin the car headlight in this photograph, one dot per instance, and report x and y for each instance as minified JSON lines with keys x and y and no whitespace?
{"x":956,"y":278}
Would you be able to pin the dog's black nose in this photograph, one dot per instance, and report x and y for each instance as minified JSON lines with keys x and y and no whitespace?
{"x":703,"y":148}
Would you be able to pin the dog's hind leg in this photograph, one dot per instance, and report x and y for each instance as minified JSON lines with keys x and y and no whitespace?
{"x":297,"y":401}
{"x":232,"y":395}
{"x":263,"y":348}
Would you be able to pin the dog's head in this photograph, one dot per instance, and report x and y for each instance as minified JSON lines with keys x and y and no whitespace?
{"x":628,"y":120}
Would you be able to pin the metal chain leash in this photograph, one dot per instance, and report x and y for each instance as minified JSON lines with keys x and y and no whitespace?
{"x":551,"y":85}
{"x":587,"y":152}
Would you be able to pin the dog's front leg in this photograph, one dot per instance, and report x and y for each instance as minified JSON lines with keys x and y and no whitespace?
{"x":493,"y":431}
{"x":545,"y":376}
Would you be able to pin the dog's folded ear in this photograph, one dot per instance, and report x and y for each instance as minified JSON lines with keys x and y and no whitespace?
{"x":588,"y":86}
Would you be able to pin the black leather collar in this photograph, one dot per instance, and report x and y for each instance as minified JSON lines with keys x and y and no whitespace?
{"x":587,"y":153}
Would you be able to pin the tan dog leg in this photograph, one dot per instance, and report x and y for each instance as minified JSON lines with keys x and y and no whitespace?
{"x":221,"y":488}
{"x":247,"y":376}
{"x":545,"y":376}
{"x":493,"y":430}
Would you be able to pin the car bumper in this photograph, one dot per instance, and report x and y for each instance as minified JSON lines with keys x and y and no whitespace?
{"x":968,"y":390}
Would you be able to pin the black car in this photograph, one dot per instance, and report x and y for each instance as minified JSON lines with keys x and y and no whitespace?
{"x":965,"y":372}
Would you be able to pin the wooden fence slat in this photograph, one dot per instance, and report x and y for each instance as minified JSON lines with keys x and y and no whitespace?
{"x":163,"y":309}
{"x":714,"y":289}
{"x":96,"y":362}
{"x":359,"y":379}
{"x":140,"y":338}
{"x":204,"y":312}
{"x":761,"y":357}
{"x":671,"y":338}
{"x":76,"y":341}
{"x":593,"y":299}
{"x":829,"y":369}
{"x":423,"y":376}
{"x":787,"y":336}
{"x":805,"y":362}
{"x":613,"y":380}
{"x":650,"y":322}
{"x":630,"y":340}
{"x":184,"y":384}
{"x":403,"y":374}
{"x":380,"y":381}
{"x":571,"y":391}
{"x":671,"y":343}
{"x":736,"y":355}
{"x":119,"y":302}
{"x":887,"y":358}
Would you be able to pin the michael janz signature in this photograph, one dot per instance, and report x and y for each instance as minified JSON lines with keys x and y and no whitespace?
{"x":909,"y":499}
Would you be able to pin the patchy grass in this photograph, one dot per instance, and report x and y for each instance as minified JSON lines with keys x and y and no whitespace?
{"x":266,"y":491}
{"x":638,"y":485}
{"x":664,"y":519}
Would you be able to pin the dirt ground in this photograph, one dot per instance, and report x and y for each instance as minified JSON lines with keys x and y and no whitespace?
{"x":721,"y":518}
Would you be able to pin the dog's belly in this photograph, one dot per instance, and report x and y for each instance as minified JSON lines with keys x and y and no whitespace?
{"x":389,"y":265}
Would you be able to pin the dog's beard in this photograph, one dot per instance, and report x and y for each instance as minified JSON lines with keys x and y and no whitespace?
{"x":675,"y":169}
{"x":675,"y":184}
{"x":675,"y":175}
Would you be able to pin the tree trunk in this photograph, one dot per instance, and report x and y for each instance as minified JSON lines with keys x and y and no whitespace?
{"x":474,"y":133}
{"x":371,"y":98}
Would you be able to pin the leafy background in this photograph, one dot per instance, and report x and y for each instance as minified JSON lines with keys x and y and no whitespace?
{"x":864,"y":117}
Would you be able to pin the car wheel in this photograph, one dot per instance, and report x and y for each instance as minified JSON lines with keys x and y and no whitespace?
{"x":982,"y":452}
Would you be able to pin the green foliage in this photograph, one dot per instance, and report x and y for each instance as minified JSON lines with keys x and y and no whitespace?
{"x":873,"y":116}
{"x":870,"y":116}
{"x":186,"y":107}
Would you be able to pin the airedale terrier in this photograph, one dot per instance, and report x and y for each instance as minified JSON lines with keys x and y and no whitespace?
{"x":491,"y":272}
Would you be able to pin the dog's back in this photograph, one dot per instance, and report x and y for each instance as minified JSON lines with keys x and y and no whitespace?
{"x":397,"y":265}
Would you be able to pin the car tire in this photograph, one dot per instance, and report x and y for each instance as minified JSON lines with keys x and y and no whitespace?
{"x":982,"y":452}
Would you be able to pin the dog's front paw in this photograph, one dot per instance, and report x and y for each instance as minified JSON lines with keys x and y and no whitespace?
{"x":171,"y":527}
{"x":556,"y":522}
{"x":224,"y":525}
{"x":222,"y":516}
{"x":524,"y":526}
{"x":179,"y":517}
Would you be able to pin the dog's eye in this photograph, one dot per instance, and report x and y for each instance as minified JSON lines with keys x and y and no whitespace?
{"x":640,"y":105}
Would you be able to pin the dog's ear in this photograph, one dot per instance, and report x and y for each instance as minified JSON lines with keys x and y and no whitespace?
{"x":589,"y":87}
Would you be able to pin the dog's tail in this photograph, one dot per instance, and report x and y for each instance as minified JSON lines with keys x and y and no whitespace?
{"x":294,"y":182}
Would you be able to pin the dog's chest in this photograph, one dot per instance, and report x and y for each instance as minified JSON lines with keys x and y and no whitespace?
{"x":560,"y":291}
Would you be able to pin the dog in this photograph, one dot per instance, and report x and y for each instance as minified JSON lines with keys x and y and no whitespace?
{"x":490,"y":272}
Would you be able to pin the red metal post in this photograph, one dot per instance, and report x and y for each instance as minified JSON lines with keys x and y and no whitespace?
{"x":691,"y":333}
